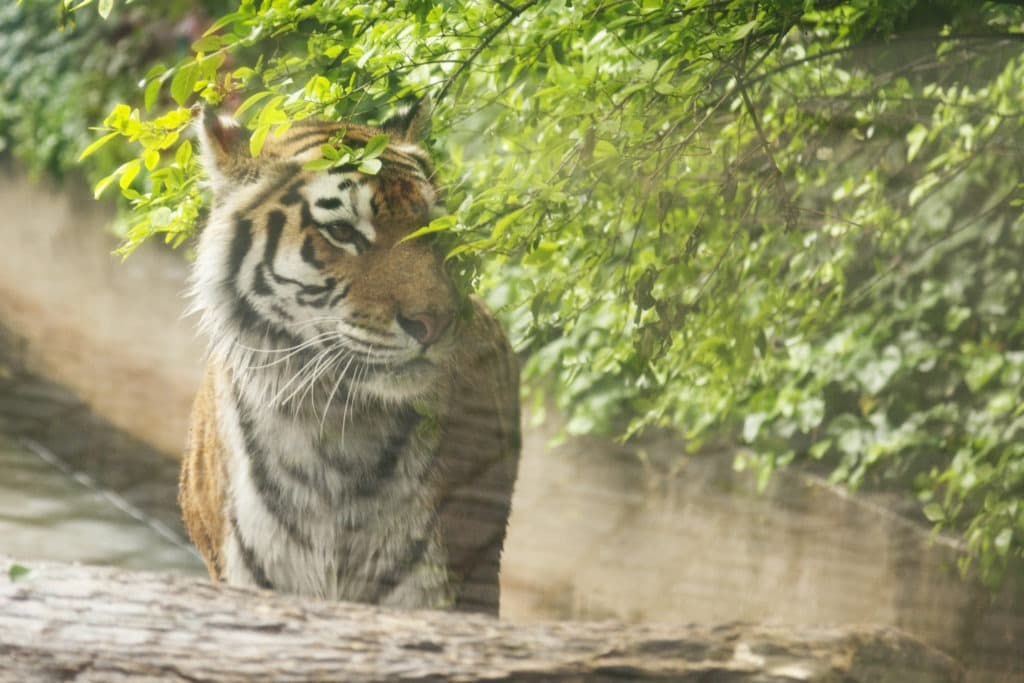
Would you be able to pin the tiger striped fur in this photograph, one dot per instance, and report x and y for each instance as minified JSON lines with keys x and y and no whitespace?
{"x":353,"y":438}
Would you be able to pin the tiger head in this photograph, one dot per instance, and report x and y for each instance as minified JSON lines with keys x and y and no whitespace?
{"x":315,"y":263}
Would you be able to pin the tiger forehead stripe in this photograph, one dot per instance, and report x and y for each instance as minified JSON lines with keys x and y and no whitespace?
{"x":331,"y":200}
{"x":310,"y":134}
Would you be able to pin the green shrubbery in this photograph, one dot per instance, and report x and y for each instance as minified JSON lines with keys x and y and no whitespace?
{"x":794,"y":222}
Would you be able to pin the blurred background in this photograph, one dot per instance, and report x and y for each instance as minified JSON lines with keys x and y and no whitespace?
{"x":801,"y":404}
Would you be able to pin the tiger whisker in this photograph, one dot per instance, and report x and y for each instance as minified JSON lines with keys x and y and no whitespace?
{"x":318,"y":372}
{"x":290,"y":350}
{"x":360,"y":374}
{"x":298,"y":374}
{"x":330,"y":397}
{"x":325,"y":360}
{"x":323,"y":340}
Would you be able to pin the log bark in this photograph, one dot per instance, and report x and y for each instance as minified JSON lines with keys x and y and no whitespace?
{"x":64,"y":622}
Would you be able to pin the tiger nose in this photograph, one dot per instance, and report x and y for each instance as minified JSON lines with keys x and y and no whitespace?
{"x":426,"y":328}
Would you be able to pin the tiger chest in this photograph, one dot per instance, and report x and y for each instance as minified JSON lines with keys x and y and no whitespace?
{"x":342,"y":506}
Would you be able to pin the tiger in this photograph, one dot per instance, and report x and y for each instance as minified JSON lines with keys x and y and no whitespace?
{"x":355,"y":435}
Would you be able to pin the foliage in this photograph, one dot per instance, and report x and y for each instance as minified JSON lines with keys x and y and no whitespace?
{"x":792,"y":221}
{"x":17,"y":572}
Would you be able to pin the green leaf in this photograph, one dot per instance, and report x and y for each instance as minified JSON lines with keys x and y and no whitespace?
{"x":184,"y":82}
{"x":441,"y":224}
{"x":742,"y":31}
{"x":102,"y":184}
{"x":228,"y":19}
{"x":119,"y":117}
{"x":1002,"y":541}
{"x":208,"y":43}
{"x":980,"y":371}
{"x":330,"y":152}
{"x":183,"y":154}
{"x":374,"y":146}
{"x":17,"y":571}
{"x":369,"y":166}
{"x":151,"y":92}
{"x":318,"y":165}
{"x":131,"y":169}
{"x":915,"y":138}
{"x":97,"y":144}
{"x":259,"y":136}
{"x":934,"y":512}
{"x":502,"y":225}
{"x":104,"y":7}
{"x":251,"y":100}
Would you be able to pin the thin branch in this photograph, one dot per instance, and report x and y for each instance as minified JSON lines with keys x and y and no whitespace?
{"x":487,"y":39}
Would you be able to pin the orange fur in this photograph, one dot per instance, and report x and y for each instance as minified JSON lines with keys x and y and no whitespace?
{"x":203,"y":478}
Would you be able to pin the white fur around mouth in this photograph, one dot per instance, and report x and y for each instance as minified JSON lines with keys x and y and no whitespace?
{"x":401,"y":382}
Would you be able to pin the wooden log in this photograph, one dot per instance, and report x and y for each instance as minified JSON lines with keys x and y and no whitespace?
{"x":63,"y":622}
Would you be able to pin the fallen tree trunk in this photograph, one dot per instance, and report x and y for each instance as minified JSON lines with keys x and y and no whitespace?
{"x":61,"y":622}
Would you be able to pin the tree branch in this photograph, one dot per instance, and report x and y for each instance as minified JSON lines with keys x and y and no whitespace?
{"x":486,"y":40}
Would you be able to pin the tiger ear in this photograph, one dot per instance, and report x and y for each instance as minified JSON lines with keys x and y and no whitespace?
{"x":411,"y":123}
{"x":225,"y":149}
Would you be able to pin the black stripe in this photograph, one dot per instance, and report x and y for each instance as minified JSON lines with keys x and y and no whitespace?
{"x":346,"y":184}
{"x":319,"y":293}
{"x":249,"y":559}
{"x":267,"y":486}
{"x":248,"y":319}
{"x":241,"y":242}
{"x":412,"y":556}
{"x":344,"y":168}
{"x":305,"y":148}
{"x":400,"y":164}
{"x":285,"y":175}
{"x":275,"y":226}
{"x":259,"y":282}
{"x":309,"y":254}
{"x":329,"y":203}
{"x":279,"y":310}
{"x":314,"y":299}
{"x":324,"y":134}
{"x":339,"y":296}
{"x":390,"y":454}
{"x":292,"y":195}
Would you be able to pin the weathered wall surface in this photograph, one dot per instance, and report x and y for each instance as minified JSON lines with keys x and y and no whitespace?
{"x":594,"y":534}
{"x":110,"y":330}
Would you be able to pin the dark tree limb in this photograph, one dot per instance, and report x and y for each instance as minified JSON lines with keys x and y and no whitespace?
{"x":62,"y":622}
